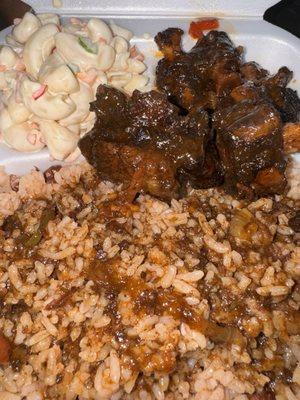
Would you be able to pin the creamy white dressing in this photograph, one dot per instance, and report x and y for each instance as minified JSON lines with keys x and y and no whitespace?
{"x":49,"y":74}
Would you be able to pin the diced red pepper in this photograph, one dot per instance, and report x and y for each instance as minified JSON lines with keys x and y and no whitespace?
{"x":101,"y":40}
{"x":197,"y":27}
{"x":39,"y":92}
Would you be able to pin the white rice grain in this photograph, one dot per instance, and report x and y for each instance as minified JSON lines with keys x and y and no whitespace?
{"x":215,"y":246}
{"x":114,"y":362}
{"x":49,"y":326}
{"x":168,"y":278}
{"x":184,"y":287}
{"x":191,"y":276}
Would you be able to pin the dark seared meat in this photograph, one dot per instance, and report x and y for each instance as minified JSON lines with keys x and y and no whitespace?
{"x":249,"y":107}
{"x":148,"y":145}
{"x":258,"y":85}
{"x":113,"y":103}
{"x":209,"y":174}
{"x":198,"y":78}
{"x":253,"y":72}
{"x":214,"y":68}
{"x":217,"y":121}
{"x":286,"y":101}
{"x":249,"y":141}
{"x":281,"y":78}
{"x":139,"y":169}
{"x":169,"y":42}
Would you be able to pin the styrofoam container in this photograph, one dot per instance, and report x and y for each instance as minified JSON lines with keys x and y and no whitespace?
{"x":270,"y":46}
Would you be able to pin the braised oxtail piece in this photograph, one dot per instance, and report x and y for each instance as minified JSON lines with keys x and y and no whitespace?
{"x":144,"y":142}
{"x":201,"y":77}
{"x":217,"y":120}
{"x":209,"y":174}
{"x":255,"y":117}
{"x":258,"y":84}
{"x":284,"y":99}
{"x":250,"y":144}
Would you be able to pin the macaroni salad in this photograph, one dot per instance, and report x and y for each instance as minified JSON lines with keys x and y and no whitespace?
{"x":49,"y":74}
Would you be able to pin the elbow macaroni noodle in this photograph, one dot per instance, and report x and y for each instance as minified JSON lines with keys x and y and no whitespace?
{"x":49,"y":74}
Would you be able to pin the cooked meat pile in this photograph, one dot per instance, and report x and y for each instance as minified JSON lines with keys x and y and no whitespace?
{"x":144,"y":142}
{"x":216,"y":120}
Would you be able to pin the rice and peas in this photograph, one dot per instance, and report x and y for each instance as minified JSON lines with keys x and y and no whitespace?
{"x":101,"y":299}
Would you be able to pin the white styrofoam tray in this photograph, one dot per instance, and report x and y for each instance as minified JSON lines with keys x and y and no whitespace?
{"x":157,"y":8}
{"x":268,"y":45}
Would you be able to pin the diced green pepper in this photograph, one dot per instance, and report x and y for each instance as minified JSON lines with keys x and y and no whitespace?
{"x":47,"y":215}
{"x":88,"y":45}
{"x":29,"y":241}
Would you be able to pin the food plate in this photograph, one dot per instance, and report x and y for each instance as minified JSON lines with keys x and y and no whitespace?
{"x":268,"y":45}
{"x":153,"y":289}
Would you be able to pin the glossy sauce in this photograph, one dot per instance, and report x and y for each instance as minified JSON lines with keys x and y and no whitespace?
{"x":152,"y":301}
